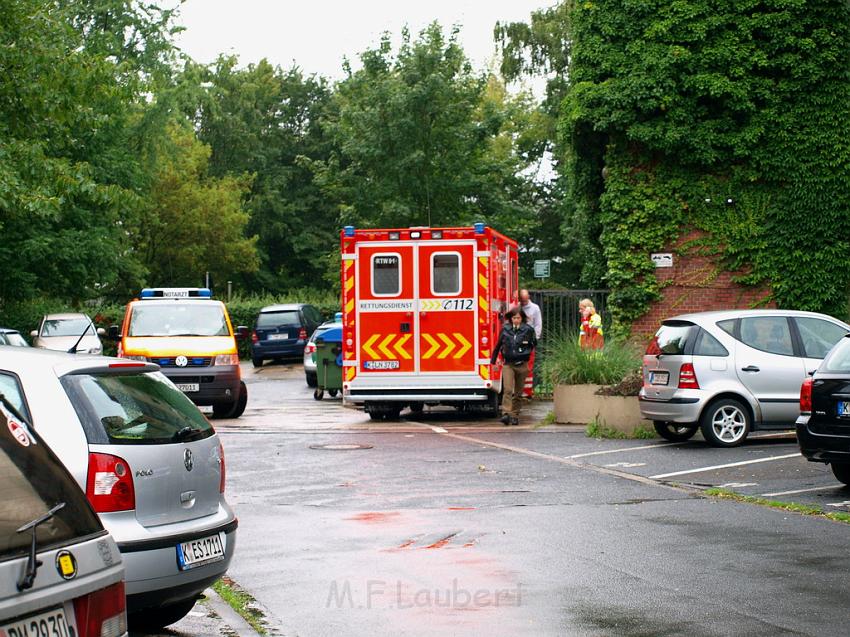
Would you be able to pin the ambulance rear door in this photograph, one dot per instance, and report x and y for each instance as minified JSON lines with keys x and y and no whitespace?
{"x":386,"y":301}
{"x":448,"y":307}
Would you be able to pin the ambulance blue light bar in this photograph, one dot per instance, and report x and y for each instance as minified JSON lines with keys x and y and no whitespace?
{"x":478,"y":227}
{"x":349,"y":231}
{"x":176,"y":293}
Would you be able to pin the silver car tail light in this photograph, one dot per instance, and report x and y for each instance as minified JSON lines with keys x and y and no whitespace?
{"x":102,"y":613}
{"x":109,"y":486}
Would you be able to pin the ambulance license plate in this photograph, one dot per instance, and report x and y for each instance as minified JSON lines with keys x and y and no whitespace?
{"x":188,"y":387}
{"x":377,"y":365}
{"x":201,"y":551}
{"x":52,"y":622}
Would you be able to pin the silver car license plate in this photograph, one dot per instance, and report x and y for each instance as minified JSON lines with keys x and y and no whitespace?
{"x":843,"y":408}
{"x":201,"y":551}
{"x":659,"y":378}
{"x":55,"y":621}
{"x":188,"y":387}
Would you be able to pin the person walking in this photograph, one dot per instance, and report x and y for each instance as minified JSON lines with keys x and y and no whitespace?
{"x":532,"y":312}
{"x":516,"y":344}
{"x":590,"y":335}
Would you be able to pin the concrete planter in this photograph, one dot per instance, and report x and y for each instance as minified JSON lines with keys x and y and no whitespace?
{"x":579,"y":404}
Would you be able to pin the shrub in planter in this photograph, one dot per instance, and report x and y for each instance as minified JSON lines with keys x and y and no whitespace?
{"x":566,"y":363}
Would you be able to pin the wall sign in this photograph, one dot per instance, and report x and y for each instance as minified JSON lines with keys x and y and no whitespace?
{"x":662,"y":259}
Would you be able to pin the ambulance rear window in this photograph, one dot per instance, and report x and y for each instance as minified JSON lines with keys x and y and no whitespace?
{"x":445,"y":273}
{"x":386,"y":278}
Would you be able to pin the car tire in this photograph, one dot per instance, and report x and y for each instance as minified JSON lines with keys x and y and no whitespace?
{"x":312,"y":379}
{"x":673,"y":432}
{"x":841,"y":471}
{"x":234,"y":409}
{"x":155,"y":619}
{"x":725,"y":423}
{"x":258,"y":362}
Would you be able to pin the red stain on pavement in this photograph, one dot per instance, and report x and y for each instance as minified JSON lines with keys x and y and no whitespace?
{"x":439,"y":544}
{"x":374,"y":517}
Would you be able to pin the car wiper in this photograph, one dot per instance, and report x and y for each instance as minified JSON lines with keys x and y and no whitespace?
{"x":14,"y":410}
{"x":184,"y":433}
{"x":28,"y":578}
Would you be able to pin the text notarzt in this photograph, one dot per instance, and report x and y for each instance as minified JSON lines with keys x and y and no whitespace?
{"x":398,"y":595}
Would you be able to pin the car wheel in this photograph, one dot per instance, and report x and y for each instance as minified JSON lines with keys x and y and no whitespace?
{"x":312,"y":379}
{"x":673,"y":432}
{"x":725,"y":423}
{"x":155,"y":619}
{"x":841,"y":472}
{"x":258,"y":362}
{"x":234,"y":409}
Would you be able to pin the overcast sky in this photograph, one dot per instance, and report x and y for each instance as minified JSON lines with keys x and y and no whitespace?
{"x":317,"y":34}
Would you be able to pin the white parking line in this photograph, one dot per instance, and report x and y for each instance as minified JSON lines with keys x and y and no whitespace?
{"x":767,"y":495}
{"x":437,"y":430}
{"x":723,"y":466}
{"x":599,"y":453}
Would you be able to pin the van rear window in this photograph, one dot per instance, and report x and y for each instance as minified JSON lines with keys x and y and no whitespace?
{"x":672,"y":338}
{"x":134,"y":409}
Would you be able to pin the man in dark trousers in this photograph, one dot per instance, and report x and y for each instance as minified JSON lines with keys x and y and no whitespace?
{"x":516,"y":343}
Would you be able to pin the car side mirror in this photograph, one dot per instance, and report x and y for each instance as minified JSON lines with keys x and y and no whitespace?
{"x":34,"y":333}
{"x":242,"y":332}
{"x":114,"y":333}
{"x":101,"y":331}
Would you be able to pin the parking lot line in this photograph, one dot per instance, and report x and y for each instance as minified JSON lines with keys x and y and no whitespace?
{"x":661,"y":476}
{"x":599,"y":453}
{"x":767,"y":495}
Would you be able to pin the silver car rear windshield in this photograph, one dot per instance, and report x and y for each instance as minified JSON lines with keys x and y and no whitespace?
{"x":134,"y":409}
{"x":177,"y":319}
{"x":34,"y":481}
{"x":673,"y":337}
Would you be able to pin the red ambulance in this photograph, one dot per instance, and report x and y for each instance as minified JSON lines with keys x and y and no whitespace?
{"x":422,"y":308}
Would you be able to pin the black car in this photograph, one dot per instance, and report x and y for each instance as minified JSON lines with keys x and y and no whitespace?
{"x":282,"y":331}
{"x":823,"y":428}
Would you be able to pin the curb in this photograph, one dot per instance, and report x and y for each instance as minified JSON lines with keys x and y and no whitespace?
{"x":233,"y":619}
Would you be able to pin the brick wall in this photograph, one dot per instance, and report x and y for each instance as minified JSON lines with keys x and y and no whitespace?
{"x":696,"y":284}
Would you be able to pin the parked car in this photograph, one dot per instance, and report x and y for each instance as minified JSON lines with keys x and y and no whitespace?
{"x":732,"y":372}
{"x":12,"y":337}
{"x":823,"y":428}
{"x":149,"y":462}
{"x":61,"y":572}
{"x":68,"y":333}
{"x":310,"y":349}
{"x":282,"y":331}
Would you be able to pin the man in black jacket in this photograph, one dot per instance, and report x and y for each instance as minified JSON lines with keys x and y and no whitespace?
{"x":516,"y":342}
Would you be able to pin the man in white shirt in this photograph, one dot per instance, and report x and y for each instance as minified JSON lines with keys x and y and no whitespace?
{"x":532,"y":312}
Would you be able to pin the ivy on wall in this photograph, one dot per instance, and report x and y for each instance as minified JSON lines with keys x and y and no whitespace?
{"x":728,"y":117}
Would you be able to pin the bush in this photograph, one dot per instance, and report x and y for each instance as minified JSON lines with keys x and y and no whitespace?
{"x":565,"y":363}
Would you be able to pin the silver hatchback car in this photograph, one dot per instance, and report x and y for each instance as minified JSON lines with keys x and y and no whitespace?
{"x":60,"y":572}
{"x":148,"y":461}
{"x":728,"y":373}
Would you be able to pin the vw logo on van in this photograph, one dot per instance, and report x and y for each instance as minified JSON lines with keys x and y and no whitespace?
{"x":181,"y":361}
{"x":187,"y":460}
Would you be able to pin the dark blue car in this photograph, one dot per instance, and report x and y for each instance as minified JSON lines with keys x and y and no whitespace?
{"x":282,"y":331}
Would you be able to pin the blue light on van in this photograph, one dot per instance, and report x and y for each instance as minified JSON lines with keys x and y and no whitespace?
{"x":338,"y":316}
{"x":478,"y":227}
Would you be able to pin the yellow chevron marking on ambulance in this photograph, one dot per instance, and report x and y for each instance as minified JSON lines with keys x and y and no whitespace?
{"x":349,"y":263}
{"x":449,"y":345}
{"x":431,"y":306}
{"x":349,"y":373}
{"x":484,"y":372}
{"x":434,"y":346}
{"x":483,"y":261}
{"x":367,"y":346}
{"x":383,"y":346}
{"x":482,"y":281}
{"x":399,"y":347}
{"x":349,"y":307}
{"x":464,"y":345}
{"x":483,"y":303}
{"x":349,"y":283}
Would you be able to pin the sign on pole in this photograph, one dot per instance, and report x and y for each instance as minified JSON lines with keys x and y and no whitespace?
{"x":542,"y":268}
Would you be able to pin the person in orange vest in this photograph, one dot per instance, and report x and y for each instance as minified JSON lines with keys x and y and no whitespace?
{"x":590,"y":334}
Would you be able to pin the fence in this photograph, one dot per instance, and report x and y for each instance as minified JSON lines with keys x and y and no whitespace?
{"x":559,"y":308}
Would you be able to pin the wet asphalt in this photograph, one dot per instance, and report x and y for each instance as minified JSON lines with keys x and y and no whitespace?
{"x":448,"y":525}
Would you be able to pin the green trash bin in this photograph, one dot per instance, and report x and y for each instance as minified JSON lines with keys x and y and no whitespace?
{"x":328,"y":363}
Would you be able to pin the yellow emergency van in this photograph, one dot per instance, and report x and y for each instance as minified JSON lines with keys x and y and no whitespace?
{"x":189,"y":335}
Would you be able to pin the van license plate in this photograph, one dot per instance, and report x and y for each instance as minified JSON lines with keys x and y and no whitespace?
{"x":659,"y":378}
{"x":843,"y":408}
{"x":201,"y":551}
{"x":188,"y":387}
{"x":52,"y":622}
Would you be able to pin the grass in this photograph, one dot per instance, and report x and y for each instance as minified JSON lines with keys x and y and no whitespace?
{"x":596,"y":429}
{"x":565,"y":363}
{"x":792,"y":507}
{"x":242,"y":602}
